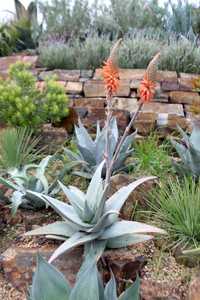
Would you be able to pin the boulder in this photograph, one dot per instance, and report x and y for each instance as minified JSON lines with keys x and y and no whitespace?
{"x":137,"y":196}
{"x":18,"y":264}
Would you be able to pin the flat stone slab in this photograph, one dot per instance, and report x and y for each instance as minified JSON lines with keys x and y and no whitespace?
{"x":89,"y":102}
{"x":164,"y":108}
{"x":167,"y":76}
{"x":5,"y":62}
{"x":96,"y":88}
{"x":124,"y":74}
{"x":184,"y":97}
{"x":128,"y":104}
{"x":62,"y":75}
{"x":74,"y":87}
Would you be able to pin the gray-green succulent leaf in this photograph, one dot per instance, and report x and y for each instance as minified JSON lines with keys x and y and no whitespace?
{"x":50,"y":284}
{"x":102,"y":223}
{"x":91,"y":152}
{"x":23,"y":182}
{"x":189,"y":151}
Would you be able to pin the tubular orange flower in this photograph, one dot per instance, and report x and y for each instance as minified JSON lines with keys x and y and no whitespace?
{"x":111,"y":77}
{"x":148,"y":84}
{"x":146,"y":90}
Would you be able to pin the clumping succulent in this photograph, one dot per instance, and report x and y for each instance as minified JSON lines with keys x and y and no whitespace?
{"x":50,"y":284}
{"x":91,"y":218}
{"x":91,"y":152}
{"x":30,"y":177}
{"x":189,"y":151}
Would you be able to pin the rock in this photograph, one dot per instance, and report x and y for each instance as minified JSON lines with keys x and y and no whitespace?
{"x":5,"y":62}
{"x":98,"y":114}
{"x":40,"y":85}
{"x":185,"y":84}
{"x":194,"y":288}
{"x":128,"y":104}
{"x":164,"y":108}
{"x":135,"y":84}
{"x":74,"y":88}
{"x":62,"y":75}
{"x":167,"y":76}
{"x":89,"y":102}
{"x":169,"y":85}
{"x":86,"y":74}
{"x":72,"y":119}
{"x":18,"y":264}
{"x":124,"y":74}
{"x":53,"y":137}
{"x":96,"y":88}
{"x":4,"y":74}
{"x":133,"y":74}
{"x":188,"y":76}
{"x":184,"y":97}
{"x":137,"y":196}
{"x":145,"y":122}
{"x":124,"y":264}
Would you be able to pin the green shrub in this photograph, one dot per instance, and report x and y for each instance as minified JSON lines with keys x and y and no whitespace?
{"x":8,"y":39}
{"x":137,"y":49}
{"x":22,"y":104}
{"x":152,"y":158}
{"x":175,"y":206}
{"x":18,"y":148}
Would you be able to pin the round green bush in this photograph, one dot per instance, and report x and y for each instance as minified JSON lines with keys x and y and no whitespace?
{"x":22,"y":104}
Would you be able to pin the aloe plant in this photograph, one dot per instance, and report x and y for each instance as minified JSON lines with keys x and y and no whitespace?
{"x":189,"y":151}
{"x":50,"y":284}
{"x":91,"y":152}
{"x":90,"y":217}
{"x":30,"y":177}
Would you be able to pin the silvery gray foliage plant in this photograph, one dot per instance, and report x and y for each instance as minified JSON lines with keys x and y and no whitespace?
{"x":189,"y":151}
{"x":29,"y":178}
{"x":90,"y":217}
{"x":91,"y":152}
{"x":50,"y":284}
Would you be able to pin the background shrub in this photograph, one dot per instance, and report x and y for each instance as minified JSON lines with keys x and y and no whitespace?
{"x":22,"y":104}
{"x":138,"y":48}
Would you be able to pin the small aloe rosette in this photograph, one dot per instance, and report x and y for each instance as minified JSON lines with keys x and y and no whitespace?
{"x":91,"y":218}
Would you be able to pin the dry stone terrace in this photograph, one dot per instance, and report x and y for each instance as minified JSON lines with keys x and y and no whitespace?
{"x":171,"y":106}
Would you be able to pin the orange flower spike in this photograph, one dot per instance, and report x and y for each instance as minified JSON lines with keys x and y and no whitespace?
{"x":111,"y":71}
{"x":111,"y":77}
{"x":147,"y":90}
{"x":148,"y":84}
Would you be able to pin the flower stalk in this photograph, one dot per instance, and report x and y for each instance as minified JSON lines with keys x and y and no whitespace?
{"x":146,"y":92}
